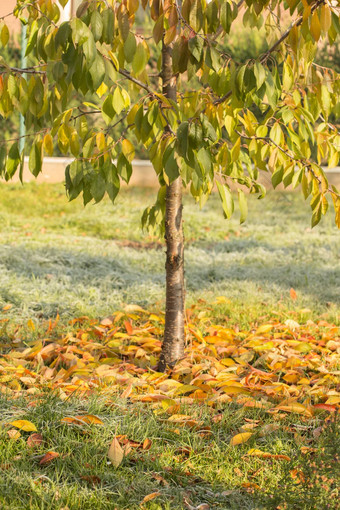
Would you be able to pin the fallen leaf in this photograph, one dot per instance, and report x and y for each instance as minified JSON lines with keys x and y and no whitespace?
{"x":89,"y":419}
{"x":48,"y":457}
{"x":34,"y":440}
{"x":293,"y":294}
{"x":266,"y":455}
{"x":150,"y":497}
{"x":13,"y":434}
{"x":26,"y":426}
{"x":147,"y":443}
{"x":240,"y":438}
{"x":6,"y":308}
{"x":115,"y":453}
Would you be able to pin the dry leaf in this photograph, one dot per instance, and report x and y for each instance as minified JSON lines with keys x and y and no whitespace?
{"x":34,"y":440}
{"x":293,"y":294}
{"x":115,"y":453}
{"x":48,"y":457}
{"x":13,"y":434}
{"x":149,"y":497}
{"x":240,"y":438}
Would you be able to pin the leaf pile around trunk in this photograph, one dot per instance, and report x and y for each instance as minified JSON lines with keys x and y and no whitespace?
{"x":279,"y":367}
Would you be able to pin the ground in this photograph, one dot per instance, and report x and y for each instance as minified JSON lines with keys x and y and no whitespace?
{"x":57,"y":258}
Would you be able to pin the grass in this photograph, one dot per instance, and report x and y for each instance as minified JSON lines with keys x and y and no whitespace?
{"x":56,"y":257}
{"x":181,"y":465}
{"x":59,"y":257}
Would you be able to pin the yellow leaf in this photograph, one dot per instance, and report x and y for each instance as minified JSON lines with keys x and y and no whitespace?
{"x":315,"y":27}
{"x":295,"y":407}
{"x":151,"y":496}
{"x":26,"y":426}
{"x":30,"y":325}
{"x":115,"y":453}
{"x":325,"y":18}
{"x":240,"y":438}
{"x":128,"y":150}
{"x":265,"y":328}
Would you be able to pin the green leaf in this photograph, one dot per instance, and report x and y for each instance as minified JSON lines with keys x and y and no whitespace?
{"x":277,"y":177}
{"x":35,"y":158}
{"x":108,"y":111}
{"x":140,"y":59}
{"x":196,"y":45}
{"x":98,"y":188}
{"x":96,"y":25}
{"x":130,"y":47}
{"x":118,"y":102}
{"x":226,"y":16}
{"x":170,"y":165}
{"x":13,"y":160}
{"x":182,"y":139}
{"x":226,"y":198}
{"x":97,"y":71}
{"x":260,"y":74}
{"x":124,"y":168}
{"x":242,"y":200}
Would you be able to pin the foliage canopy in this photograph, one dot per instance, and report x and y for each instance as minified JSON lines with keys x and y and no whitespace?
{"x":230,"y":121}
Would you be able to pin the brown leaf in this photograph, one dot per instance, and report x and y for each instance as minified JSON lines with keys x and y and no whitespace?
{"x":34,"y":440}
{"x":115,"y":453}
{"x":48,"y":457}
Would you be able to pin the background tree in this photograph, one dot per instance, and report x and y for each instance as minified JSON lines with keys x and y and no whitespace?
{"x":204,"y":118}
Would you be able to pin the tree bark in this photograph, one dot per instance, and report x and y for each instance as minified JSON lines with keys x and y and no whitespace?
{"x":173,"y":343}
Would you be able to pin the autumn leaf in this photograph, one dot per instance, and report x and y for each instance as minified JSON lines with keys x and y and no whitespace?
{"x":265,"y":455}
{"x":150,"y":497}
{"x":241,"y":438}
{"x":48,"y":457}
{"x":293,"y":294}
{"x":24,"y":425}
{"x":13,"y":434}
{"x":89,"y":419}
{"x":34,"y":440}
{"x":115,"y":453}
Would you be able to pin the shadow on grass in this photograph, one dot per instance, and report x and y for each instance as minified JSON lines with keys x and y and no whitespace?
{"x":222,"y":265}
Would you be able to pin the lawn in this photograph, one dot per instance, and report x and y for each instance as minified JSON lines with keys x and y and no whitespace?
{"x":57,"y":258}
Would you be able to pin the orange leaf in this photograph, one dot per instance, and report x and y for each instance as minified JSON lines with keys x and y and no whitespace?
{"x":128,"y":327}
{"x":48,"y":457}
{"x":6,"y":308}
{"x":293,"y":294}
{"x":151,"y":496}
{"x":147,"y":444}
{"x":240,"y":438}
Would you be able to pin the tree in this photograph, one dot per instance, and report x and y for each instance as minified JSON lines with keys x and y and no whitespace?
{"x":204,"y":118}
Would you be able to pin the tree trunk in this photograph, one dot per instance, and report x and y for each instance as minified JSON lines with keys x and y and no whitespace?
{"x":173,"y":343}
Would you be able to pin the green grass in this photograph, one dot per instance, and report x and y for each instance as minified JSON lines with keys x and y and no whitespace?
{"x":57,"y":256}
{"x":211,"y":472}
